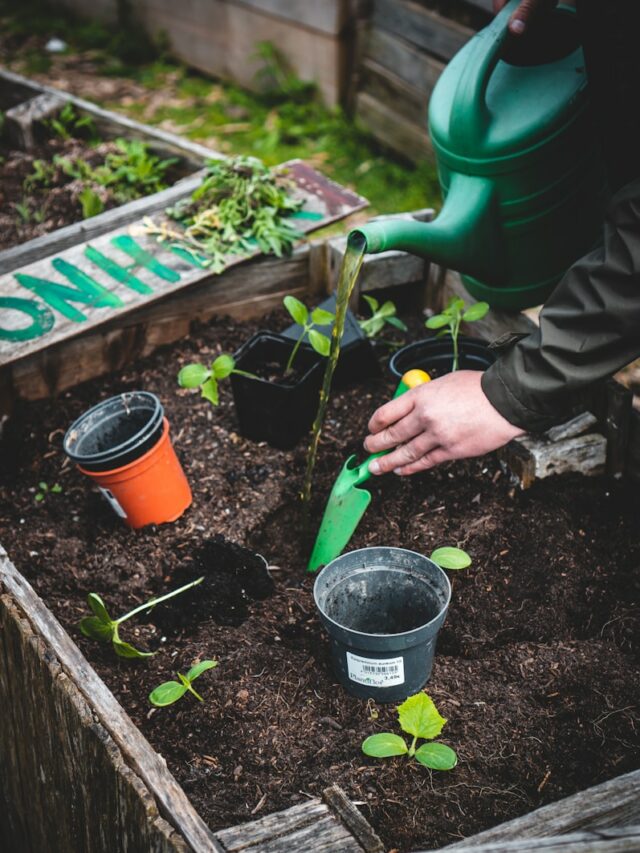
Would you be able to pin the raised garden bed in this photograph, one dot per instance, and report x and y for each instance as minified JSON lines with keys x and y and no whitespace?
{"x":537,"y":668}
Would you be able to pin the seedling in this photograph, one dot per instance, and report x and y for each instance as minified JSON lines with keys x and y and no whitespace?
{"x":103,"y":628}
{"x":207,"y":379}
{"x":318,"y":317}
{"x":69,"y":124}
{"x":419,"y":717}
{"x":169,"y":692}
{"x":91,"y":203}
{"x":380,"y":316}
{"x":451,"y":558}
{"x":45,"y":490}
{"x":448,"y":322}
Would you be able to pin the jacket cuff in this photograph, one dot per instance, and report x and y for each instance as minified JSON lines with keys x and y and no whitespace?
{"x":497,"y":385}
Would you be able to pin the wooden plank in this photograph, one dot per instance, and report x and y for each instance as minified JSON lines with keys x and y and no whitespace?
{"x":532,"y":458}
{"x":20,"y":121}
{"x":221,"y":38}
{"x":434,"y":33}
{"x":84,"y":299}
{"x":353,"y":819}
{"x":415,"y":67}
{"x":72,"y":759}
{"x":390,"y":90}
{"x":576,"y":426}
{"x":615,"y":803}
{"x":614,"y":840}
{"x":406,"y":138}
{"x":329,"y":16}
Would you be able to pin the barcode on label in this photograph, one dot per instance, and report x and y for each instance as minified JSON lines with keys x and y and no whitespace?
{"x":375,"y":673}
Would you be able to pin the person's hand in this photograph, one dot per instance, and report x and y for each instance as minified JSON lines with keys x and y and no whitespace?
{"x":448,"y":418}
{"x":527,"y":9}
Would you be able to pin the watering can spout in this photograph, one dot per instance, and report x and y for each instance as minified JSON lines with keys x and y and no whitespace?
{"x":464,"y":236}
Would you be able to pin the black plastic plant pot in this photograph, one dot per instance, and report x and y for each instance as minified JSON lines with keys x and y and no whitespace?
{"x":115,"y":432}
{"x":357,"y":360}
{"x":382,"y":609}
{"x":277,"y":412}
{"x":435,"y":356}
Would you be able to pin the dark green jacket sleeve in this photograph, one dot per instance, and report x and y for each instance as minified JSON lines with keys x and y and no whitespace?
{"x":589,"y":327}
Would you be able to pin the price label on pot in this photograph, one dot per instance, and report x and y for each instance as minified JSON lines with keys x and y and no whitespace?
{"x":115,"y":504}
{"x":375,"y":672}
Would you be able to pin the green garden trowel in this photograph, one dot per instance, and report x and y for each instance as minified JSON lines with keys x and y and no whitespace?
{"x":347,"y":503}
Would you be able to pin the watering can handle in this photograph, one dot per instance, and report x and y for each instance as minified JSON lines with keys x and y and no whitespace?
{"x":470,"y":115}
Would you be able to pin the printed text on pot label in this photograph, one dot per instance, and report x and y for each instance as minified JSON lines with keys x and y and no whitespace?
{"x":375,"y":672}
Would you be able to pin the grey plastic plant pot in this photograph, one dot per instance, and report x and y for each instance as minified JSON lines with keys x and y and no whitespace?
{"x":382,"y":608}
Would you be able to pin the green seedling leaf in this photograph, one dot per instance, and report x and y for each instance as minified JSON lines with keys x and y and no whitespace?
{"x":298,"y":310}
{"x":42,"y":485}
{"x":167,"y":693}
{"x":475,"y":312}
{"x":209,"y":391}
{"x":387,"y":309}
{"x":56,"y":489}
{"x":451,"y":558}
{"x":418,"y":716}
{"x":319,"y":342}
{"x":438,"y":321}
{"x":397,"y":323}
{"x":384,"y":745}
{"x":372,"y":302}
{"x":199,"y":668}
{"x":126,"y":650}
{"x":98,"y":608}
{"x":193,"y":376}
{"x":223,"y":366}
{"x":321,"y":317}
{"x":96,"y":629}
{"x":455,"y":306}
{"x":437,"y":756}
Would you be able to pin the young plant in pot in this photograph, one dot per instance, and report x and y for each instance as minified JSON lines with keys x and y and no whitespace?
{"x":277,"y":385}
{"x":448,"y":350}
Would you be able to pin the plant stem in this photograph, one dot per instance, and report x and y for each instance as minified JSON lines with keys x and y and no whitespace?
{"x":245,"y":373}
{"x":294,"y":351}
{"x":148,"y":605}
{"x":348,"y":276}
{"x":412,"y":748}
{"x":454,"y":334}
{"x":191,"y":690}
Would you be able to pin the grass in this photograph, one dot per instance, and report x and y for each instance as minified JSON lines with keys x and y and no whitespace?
{"x":285,"y":121}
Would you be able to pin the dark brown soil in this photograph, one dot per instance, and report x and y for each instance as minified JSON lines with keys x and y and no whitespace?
{"x":538,"y":664}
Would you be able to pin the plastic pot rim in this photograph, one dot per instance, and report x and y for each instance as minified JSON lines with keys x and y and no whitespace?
{"x":365,"y":568}
{"x":290,"y":342}
{"x":140,"y":461}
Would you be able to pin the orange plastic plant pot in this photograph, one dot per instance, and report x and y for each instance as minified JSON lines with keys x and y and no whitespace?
{"x":150,"y":490}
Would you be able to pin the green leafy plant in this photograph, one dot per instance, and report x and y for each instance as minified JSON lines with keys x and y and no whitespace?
{"x":381,"y":315}
{"x":418,"y":717}
{"x":448,"y":322}
{"x":44,"y":490}
{"x":308,"y":320}
{"x":208,"y":378}
{"x":448,"y":557}
{"x":241,"y":204}
{"x":68,"y":124}
{"x":103,"y":628}
{"x":170,"y":691}
{"x":91,"y":203}
{"x":42,"y":175}
{"x":23,"y":211}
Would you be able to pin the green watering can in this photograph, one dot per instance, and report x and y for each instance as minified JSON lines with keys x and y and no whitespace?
{"x":519,"y":165}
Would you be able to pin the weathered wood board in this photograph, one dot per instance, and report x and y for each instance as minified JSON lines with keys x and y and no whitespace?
{"x":89,"y":284}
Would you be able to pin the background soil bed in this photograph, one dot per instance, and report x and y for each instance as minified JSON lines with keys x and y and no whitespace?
{"x":537,"y":667}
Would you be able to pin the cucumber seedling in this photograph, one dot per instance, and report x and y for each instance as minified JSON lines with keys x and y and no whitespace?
{"x":448,"y":322}
{"x":207,"y":379}
{"x":170,"y":691}
{"x":44,"y":489}
{"x":418,"y":717}
{"x":308,"y":320}
{"x":448,"y":557}
{"x":381,"y":315}
{"x":103,"y":628}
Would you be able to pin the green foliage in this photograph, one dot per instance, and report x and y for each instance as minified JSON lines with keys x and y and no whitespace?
{"x":44,"y":490}
{"x":381,"y":315}
{"x":103,"y":628}
{"x":207,"y":379}
{"x":448,"y":322}
{"x":91,"y":203}
{"x":418,"y":717}
{"x":308,"y":320}
{"x":68,"y":124}
{"x":240,"y":205}
{"x":170,"y":691}
{"x":23,"y":210}
{"x":42,"y":175}
{"x":451,"y":558}
{"x":277,"y":80}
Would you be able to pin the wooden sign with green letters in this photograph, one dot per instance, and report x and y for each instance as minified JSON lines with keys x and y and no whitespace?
{"x":89,"y":284}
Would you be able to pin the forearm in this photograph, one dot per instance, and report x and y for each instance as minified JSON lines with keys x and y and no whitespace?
{"x":589,"y":327}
